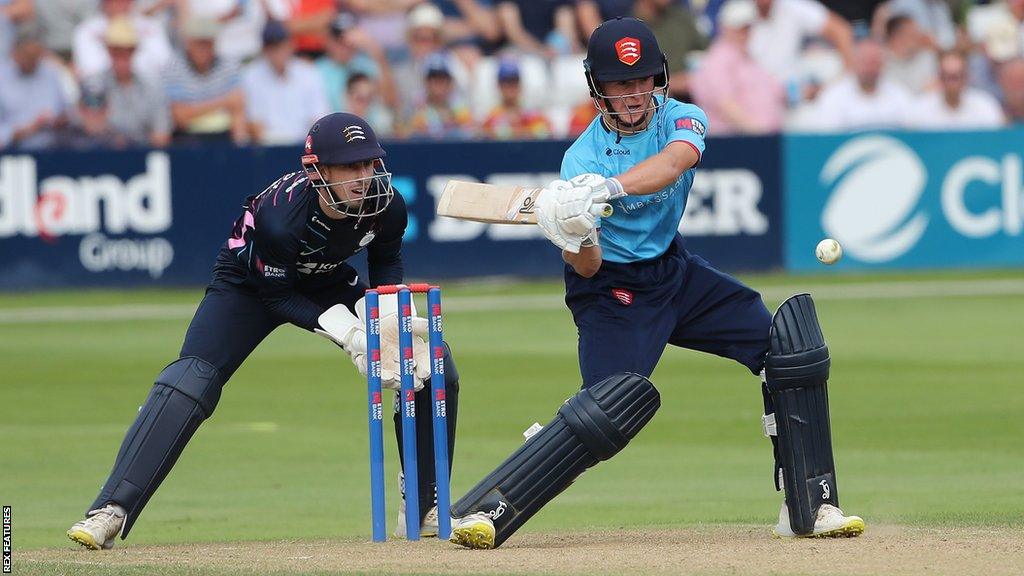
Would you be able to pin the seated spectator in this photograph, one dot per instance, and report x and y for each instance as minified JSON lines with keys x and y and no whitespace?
{"x":1011,"y":81}
{"x":546,"y":28}
{"x":207,"y":103}
{"x":241,"y":22}
{"x":864,"y":100}
{"x":582,"y":115}
{"x":508,"y":121}
{"x":678,"y":36}
{"x":310,"y":24}
{"x":364,"y":101}
{"x":57,"y":21}
{"x":999,"y":22}
{"x":12,"y":13}
{"x":910,"y":60}
{"x":738,"y":95}
{"x":424,"y":32}
{"x":784,"y":25}
{"x":118,"y":107}
{"x":33,"y":108}
{"x":283,"y":94}
{"x":933,"y":17}
{"x":90,"y":54}
{"x":442,"y":115}
{"x":351,"y":51}
{"x":955,"y":106}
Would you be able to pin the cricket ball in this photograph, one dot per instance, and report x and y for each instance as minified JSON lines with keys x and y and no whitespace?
{"x":828,"y":251}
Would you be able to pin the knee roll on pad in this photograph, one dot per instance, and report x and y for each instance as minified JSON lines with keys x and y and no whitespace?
{"x":796,"y":375}
{"x":592,"y":426}
{"x":184,"y":395}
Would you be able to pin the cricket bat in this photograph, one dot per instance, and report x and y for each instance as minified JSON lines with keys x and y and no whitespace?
{"x":495,"y":204}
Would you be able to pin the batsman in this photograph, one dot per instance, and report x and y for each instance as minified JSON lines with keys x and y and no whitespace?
{"x":633,"y":287}
{"x":284,"y":262}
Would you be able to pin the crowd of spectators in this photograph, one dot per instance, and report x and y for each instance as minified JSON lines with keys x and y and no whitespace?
{"x":117,"y":73}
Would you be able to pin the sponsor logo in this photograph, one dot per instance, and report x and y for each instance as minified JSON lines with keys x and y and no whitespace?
{"x":628,"y":50}
{"x":317,"y":267}
{"x":309,"y":144}
{"x":353,"y":133}
{"x":873,"y":211}
{"x":622,"y":295}
{"x":497,"y":512}
{"x":825,"y":491}
{"x":321,"y":223}
{"x":885,"y":201}
{"x":616,"y":152}
{"x":366,"y":239}
{"x":691,"y":124}
{"x":95,"y":208}
{"x":269,"y":271}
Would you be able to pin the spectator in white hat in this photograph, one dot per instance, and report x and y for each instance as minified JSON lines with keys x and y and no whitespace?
{"x":424,"y":33}
{"x":118,"y":107}
{"x":738,"y":95}
{"x":90,"y":52}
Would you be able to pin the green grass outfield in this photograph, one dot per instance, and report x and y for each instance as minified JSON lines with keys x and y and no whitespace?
{"x":927,"y":411}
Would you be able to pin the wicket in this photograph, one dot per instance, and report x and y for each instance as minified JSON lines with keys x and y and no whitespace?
{"x":407,"y":405}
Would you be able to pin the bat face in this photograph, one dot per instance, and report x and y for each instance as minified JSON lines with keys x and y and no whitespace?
{"x":489,"y":203}
{"x":496,"y":204}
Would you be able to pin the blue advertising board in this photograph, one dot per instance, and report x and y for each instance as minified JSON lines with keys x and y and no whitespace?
{"x":158,"y":217}
{"x":906,"y":200}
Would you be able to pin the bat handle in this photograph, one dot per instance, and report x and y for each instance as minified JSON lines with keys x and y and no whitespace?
{"x":602,"y":210}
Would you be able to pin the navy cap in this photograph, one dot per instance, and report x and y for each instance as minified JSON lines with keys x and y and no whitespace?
{"x":437,"y":65}
{"x":508,"y":70}
{"x":341,"y":138}
{"x":623,"y":49}
{"x":274,"y":32}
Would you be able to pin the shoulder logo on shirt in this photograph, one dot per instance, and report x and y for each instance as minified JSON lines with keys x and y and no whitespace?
{"x":353,"y":133}
{"x":366,"y":239}
{"x":622,"y":295}
{"x":309,"y":144}
{"x":616,"y":152}
{"x":628,"y":50}
{"x":691,"y":124}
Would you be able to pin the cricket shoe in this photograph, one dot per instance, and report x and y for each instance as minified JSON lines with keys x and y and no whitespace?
{"x":830,"y":523}
{"x":99,"y":528}
{"x":474,"y":531}
{"x":427,"y":530}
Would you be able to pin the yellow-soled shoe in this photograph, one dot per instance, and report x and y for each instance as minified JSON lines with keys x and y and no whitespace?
{"x":98,"y":530}
{"x":830,"y":523}
{"x":474,"y":531}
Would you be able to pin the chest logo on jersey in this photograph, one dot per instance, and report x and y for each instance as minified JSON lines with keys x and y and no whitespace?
{"x":616,"y":152}
{"x":628,"y":50}
{"x":625,"y":297}
{"x":366,"y":239}
{"x":321,"y":223}
{"x":691,"y":124}
{"x":316,"y":268}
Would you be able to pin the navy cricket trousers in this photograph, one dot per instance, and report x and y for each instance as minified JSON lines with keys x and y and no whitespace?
{"x":627,"y":313}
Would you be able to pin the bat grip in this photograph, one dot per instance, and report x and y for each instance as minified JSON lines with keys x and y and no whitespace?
{"x":602,"y":210}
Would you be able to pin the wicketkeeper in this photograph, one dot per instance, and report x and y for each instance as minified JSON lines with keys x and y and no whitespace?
{"x":285,"y":262}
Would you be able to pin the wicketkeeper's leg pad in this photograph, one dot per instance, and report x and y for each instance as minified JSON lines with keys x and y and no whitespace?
{"x":796,"y":373}
{"x":593,"y":425}
{"x":183,"y":396}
